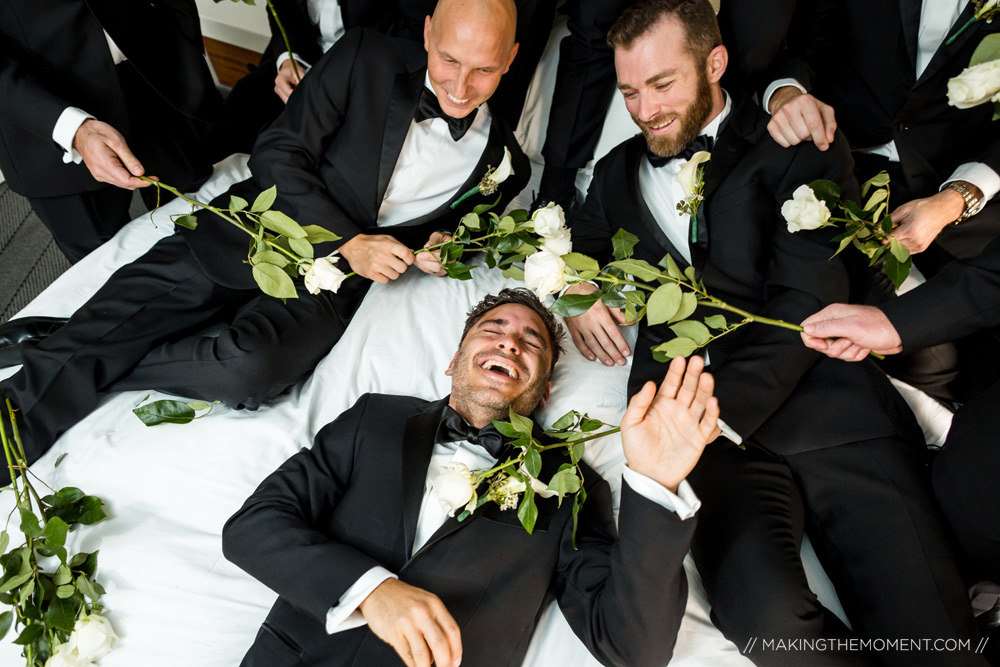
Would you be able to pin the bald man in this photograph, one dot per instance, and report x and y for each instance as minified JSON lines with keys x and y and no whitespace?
{"x":377,"y":142}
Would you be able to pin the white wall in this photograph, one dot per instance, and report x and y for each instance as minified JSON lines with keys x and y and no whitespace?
{"x":235,"y":22}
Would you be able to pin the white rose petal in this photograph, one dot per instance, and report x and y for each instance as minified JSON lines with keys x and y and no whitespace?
{"x":804,"y":210}
{"x":503,"y":170}
{"x":65,"y":656}
{"x":544,"y":273}
{"x":549,"y":221}
{"x":454,"y":487}
{"x":975,"y":85}
{"x":323,"y":275}
{"x":560,"y":244}
{"x":513,"y":486}
{"x":92,"y":638}
{"x":688,"y":175}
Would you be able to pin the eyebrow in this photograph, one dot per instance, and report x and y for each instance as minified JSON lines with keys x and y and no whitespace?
{"x":531,"y":331}
{"x":653,"y":79}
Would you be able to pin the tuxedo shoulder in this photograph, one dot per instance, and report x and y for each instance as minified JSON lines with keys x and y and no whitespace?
{"x":375,"y":45}
{"x":613,"y":164}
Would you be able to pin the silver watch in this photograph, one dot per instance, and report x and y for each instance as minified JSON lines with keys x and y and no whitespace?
{"x":973,"y":196}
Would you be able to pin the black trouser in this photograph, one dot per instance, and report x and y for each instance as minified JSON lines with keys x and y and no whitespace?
{"x":869,"y":510}
{"x":140,"y":331}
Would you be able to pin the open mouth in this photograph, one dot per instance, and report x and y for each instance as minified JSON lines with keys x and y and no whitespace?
{"x":500,"y":368}
{"x":660,"y":127}
{"x":455,"y":100}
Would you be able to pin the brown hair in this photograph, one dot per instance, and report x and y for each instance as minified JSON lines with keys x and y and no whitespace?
{"x":697,"y":16}
{"x":522,"y":297}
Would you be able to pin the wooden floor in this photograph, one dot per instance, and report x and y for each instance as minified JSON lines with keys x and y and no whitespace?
{"x":230,"y":62}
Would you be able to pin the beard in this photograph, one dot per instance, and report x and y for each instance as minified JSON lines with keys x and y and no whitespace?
{"x":691,"y":121}
{"x":478,"y":402}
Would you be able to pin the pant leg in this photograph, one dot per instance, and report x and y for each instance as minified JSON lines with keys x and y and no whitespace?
{"x":79,"y":223}
{"x":160,"y":295}
{"x":872,"y":518}
{"x":966,"y":477}
{"x":269,"y":346}
{"x":747,"y":549}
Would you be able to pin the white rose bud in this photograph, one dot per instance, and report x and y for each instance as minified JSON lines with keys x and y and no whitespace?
{"x":454,"y":487}
{"x":804,"y":210}
{"x":549,"y":221}
{"x":323,"y":275}
{"x":92,"y":638}
{"x":64,"y":656}
{"x":544,"y":273}
{"x":975,"y":85}
{"x":560,"y":243}
{"x":688,"y":175}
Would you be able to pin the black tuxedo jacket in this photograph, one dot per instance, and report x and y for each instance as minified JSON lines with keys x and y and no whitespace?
{"x":860,"y":57}
{"x":770,"y":386}
{"x":331,"y":513}
{"x":53,"y":54}
{"x":334,"y":148}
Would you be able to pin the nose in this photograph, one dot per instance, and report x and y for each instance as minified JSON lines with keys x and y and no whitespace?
{"x":462,"y":84}
{"x":509,"y":344}
{"x":648,"y":109}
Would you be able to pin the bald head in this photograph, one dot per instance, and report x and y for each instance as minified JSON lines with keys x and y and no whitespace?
{"x":470,"y":45}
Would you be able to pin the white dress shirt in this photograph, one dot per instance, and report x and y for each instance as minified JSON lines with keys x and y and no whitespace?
{"x":325,"y":15}
{"x":432,"y":167}
{"x":344,"y":615}
{"x":937,"y":21}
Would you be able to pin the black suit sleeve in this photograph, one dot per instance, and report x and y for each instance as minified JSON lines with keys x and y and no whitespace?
{"x":625,"y":597}
{"x":303,"y":34}
{"x":272,"y":536}
{"x":27,"y":101}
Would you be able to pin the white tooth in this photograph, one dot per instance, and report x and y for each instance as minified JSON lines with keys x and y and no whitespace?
{"x":455,"y":99}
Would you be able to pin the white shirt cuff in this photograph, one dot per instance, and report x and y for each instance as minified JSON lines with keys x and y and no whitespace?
{"x":780,"y":83}
{"x":64,"y":132}
{"x":302,"y":65}
{"x":684,"y":503}
{"x":980,"y":175}
{"x":345,"y":615}
{"x":730,"y":433}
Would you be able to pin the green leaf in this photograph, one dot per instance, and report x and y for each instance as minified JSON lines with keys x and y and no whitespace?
{"x":65,"y":496}
{"x":472,"y":221}
{"x":274,"y":282}
{"x":693,"y":330}
{"x":577,"y":451}
{"x":877,"y":198}
{"x":826,"y":190}
{"x":59,"y":460}
{"x":63,"y":576}
{"x":565,"y":482}
{"x":677,"y":347}
{"x":317,"y":234}
{"x":844,"y":242}
{"x":571,"y":305}
{"x":4,"y":541}
{"x":663,"y":303}
{"x":533,"y":462}
{"x":31,"y":634}
{"x":198,"y":405}
{"x":265,"y":199}
{"x":638,"y":268}
{"x":302,"y":248}
{"x":60,"y":614}
{"x":459,"y":271}
{"x":560,"y":424}
{"x":16,"y":581}
{"x":26,"y":592}
{"x":237,"y":203}
{"x":186,"y":221}
{"x":689,"y":303}
{"x":887,"y":224}
{"x":988,"y":49}
{"x":527,"y":512}
{"x":898,"y":250}
{"x":280,"y":223}
{"x":637,"y":297}
{"x":483,"y":208}
{"x":29,"y":523}
{"x":85,"y":586}
{"x":691,"y":275}
{"x":66,"y":591}
{"x":670,"y":265}
{"x":164,"y":412}
{"x":269,"y":257}
{"x":579,"y":262}
{"x":613,"y":298}
{"x":54,"y":533}
{"x":92,"y":511}
{"x":717,"y":322}
{"x":6,"y":619}
{"x":520,"y":424}
{"x":623,"y":243}
{"x":513,"y":272}
{"x":896,"y":271}
{"x":879,"y":180}
{"x":587,"y":424}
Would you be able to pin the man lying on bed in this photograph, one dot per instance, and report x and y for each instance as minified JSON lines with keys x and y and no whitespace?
{"x":381,"y":134}
{"x":352,"y":536}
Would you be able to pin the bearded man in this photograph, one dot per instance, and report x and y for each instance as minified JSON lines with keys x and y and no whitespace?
{"x":832,"y":449}
{"x":376,"y":556}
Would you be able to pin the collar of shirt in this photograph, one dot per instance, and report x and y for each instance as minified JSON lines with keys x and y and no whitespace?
{"x":937,"y":20}
{"x":327,"y":16}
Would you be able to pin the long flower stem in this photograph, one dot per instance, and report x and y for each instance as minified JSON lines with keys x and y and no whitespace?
{"x":284,"y":36}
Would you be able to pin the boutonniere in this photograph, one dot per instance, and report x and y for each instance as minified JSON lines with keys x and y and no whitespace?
{"x":985,"y":11}
{"x":492,"y":180}
{"x":692,"y":180}
{"x":979,"y":83}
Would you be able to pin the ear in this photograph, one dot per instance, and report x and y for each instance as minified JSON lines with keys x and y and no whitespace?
{"x":451,"y":365}
{"x":513,"y":53}
{"x":427,"y":33}
{"x":545,"y":396}
{"x":715,"y":65}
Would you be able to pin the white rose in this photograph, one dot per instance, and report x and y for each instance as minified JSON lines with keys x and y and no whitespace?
{"x":549,"y":221}
{"x":65,"y":656}
{"x":544,"y":273}
{"x":454,"y":487}
{"x":503,"y":170}
{"x":92,"y":638}
{"x":323,"y":275}
{"x":688,"y":175}
{"x":560,"y":243}
{"x":804,"y":210}
{"x":975,"y":85}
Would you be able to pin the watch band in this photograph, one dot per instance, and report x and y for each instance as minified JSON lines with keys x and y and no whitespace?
{"x":973,"y":196}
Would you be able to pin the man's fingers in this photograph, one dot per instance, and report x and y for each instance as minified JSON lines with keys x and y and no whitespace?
{"x":420,"y":654}
{"x":706,"y":385}
{"x":689,"y":385}
{"x":601,"y":345}
{"x":816,"y":127}
{"x":829,"y":121}
{"x":639,"y":405}
{"x":708,"y":427}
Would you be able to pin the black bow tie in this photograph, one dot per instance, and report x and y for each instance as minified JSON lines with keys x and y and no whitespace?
{"x":429,"y":107}
{"x":702,"y":143}
{"x":453,"y":428}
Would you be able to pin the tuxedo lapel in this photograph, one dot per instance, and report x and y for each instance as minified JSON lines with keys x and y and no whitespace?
{"x":402,"y":104}
{"x":946,"y":51}
{"x":418,"y":444}
{"x":636,"y":153}
{"x":909,"y":15}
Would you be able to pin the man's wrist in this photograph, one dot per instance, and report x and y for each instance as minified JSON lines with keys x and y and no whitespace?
{"x":784,"y":89}
{"x":966,"y":194}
